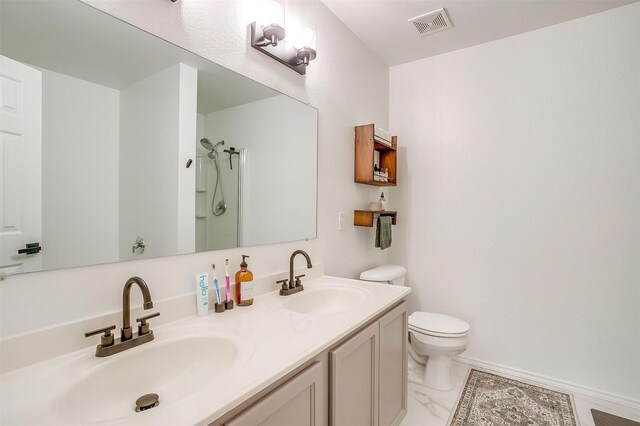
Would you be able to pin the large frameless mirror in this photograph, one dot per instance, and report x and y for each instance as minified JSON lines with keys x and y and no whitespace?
{"x":117,"y":145}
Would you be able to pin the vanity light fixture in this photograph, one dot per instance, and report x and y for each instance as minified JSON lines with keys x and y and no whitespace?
{"x":294,"y":47}
{"x":306,"y":38}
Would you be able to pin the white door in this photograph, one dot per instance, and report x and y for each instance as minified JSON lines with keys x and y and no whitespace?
{"x":20,"y":166}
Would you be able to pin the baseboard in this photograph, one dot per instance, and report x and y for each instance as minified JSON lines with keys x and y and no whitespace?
{"x":550,"y":381}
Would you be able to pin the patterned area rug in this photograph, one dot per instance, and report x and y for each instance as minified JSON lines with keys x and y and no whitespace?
{"x":491,"y":400}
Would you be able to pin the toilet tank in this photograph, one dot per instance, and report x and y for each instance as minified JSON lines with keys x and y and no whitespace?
{"x":392,"y":274}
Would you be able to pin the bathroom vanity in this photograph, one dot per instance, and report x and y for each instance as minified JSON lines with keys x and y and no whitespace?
{"x":334,"y":353}
{"x":362,"y":380}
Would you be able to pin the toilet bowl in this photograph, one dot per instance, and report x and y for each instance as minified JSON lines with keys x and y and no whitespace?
{"x":434,"y":339}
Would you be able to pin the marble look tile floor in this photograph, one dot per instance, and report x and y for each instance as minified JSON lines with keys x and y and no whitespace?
{"x":428,"y":407}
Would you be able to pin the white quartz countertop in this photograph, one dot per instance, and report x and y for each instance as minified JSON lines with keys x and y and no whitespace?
{"x":272,"y":342}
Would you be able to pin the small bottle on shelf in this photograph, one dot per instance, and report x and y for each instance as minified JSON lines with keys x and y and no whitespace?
{"x":382,"y":201}
{"x":376,"y":173}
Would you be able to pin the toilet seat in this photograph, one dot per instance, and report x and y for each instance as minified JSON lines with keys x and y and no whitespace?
{"x":435,"y":334}
{"x":438,"y":325}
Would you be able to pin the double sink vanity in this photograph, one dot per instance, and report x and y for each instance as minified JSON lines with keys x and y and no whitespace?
{"x":334,"y":353}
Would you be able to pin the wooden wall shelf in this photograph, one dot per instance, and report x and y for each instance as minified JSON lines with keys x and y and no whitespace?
{"x":374,"y":183}
{"x":366,"y":217}
{"x":366,"y":145}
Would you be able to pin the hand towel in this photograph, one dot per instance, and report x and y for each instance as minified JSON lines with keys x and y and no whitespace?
{"x":383,"y":232}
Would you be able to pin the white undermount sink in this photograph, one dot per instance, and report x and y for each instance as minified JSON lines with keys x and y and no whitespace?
{"x":174,"y":366}
{"x":326,"y":299}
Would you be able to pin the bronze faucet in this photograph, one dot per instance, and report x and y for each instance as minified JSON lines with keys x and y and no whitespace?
{"x":290,"y":286}
{"x":125,"y":332}
{"x":127,"y":339}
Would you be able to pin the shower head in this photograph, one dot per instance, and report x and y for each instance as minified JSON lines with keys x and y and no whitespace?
{"x":206,"y":144}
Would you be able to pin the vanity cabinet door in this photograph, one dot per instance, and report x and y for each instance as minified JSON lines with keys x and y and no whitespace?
{"x":393,"y":366}
{"x":294,"y":403}
{"x":354,"y":380}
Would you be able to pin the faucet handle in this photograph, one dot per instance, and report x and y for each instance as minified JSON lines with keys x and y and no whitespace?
{"x":107,"y":339}
{"x":285,"y":284}
{"x":143,"y":327}
{"x":298,"y":282}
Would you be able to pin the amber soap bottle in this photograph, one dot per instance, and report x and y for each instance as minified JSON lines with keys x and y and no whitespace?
{"x":244,"y":284}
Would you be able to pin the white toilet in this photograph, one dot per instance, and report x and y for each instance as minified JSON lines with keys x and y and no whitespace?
{"x":434,"y":338}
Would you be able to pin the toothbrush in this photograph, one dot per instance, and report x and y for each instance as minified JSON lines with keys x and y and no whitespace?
{"x":215,"y":284}
{"x":227,"y":296}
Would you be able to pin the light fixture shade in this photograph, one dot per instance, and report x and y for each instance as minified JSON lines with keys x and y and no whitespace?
{"x":272,"y":13}
{"x":272,"y":18}
{"x":306,"y":37}
{"x":304,"y":40}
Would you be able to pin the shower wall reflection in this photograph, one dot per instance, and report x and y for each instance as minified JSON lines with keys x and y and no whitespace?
{"x":268,"y":189}
{"x":218,"y":171}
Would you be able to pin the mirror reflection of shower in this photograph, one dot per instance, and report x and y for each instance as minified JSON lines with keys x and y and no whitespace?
{"x":218,"y":188}
{"x":221,"y":207}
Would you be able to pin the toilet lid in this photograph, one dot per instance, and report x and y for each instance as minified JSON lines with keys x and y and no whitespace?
{"x":383,"y":273}
{"x":430,"y":322}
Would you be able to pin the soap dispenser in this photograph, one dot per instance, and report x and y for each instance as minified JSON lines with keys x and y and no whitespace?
{"x":244,"y":284}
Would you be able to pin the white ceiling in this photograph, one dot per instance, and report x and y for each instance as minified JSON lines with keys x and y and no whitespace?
{"x":382,"y":24}
{"x":70,"y":37}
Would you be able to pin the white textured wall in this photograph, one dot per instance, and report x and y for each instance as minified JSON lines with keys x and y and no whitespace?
{"x":520,"y":171}
{"x":348,"y":85}
{"x":80,"y":126}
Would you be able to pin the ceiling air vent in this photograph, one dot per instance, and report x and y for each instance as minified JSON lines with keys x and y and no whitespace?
{"x":431,"y":22}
